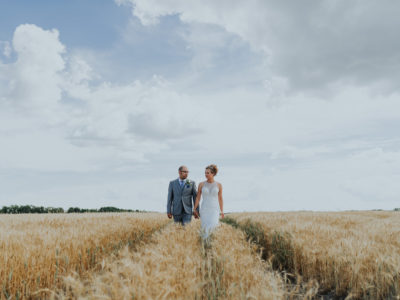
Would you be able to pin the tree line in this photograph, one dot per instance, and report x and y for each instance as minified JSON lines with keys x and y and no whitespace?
{"x":31,"y":209}
{"x":101,"y":209}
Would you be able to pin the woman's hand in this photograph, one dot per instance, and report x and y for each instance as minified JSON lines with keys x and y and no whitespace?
{"x":196,"y":214}
{"x":222,"y":215}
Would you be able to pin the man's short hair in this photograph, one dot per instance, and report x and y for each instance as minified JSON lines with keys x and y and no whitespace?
{"x":181,"y":167}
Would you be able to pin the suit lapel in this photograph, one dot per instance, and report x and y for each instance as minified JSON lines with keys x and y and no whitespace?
{"x":178,"y":186}
{"x":185,"y":184}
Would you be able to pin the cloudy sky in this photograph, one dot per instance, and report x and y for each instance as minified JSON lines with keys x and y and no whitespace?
{"x":297,"y":102}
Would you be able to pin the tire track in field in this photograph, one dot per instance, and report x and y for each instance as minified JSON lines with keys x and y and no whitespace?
{"x":330,"y":254}
{"x":178,"y":264}
{"x":234,"y":270}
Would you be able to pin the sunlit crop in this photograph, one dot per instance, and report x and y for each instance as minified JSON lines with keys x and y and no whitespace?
{"x":37,"y":250}
{"x":286,"y":255}
{"x":352,"y":254}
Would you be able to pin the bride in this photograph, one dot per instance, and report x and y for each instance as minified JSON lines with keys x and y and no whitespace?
{"x":212,"y":205}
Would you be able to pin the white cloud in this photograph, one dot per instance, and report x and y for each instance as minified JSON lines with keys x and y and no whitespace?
{"x":206,"y":42}
{"x":53,"y":92}
{"x":6,"y":48}
{"x":278,"y":145}
{"x":313,"y":45}
{"x":35,"y":76}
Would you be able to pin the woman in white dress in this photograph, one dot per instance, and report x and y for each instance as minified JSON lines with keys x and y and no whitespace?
{"x":212,"y":205}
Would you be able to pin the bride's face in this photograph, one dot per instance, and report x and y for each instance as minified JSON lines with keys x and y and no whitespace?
{"x":208,"y":174}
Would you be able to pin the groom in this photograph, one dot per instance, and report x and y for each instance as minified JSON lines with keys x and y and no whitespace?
{"x":182,"y":194}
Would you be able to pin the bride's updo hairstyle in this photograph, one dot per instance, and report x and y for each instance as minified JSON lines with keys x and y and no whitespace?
{"x":213,"y":169}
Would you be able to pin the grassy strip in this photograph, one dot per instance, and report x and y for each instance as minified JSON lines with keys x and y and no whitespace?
{"x":277,"y":247}
{"x":212,"y":270}
{"x":350,"y":256}
{"x":231,"y":269}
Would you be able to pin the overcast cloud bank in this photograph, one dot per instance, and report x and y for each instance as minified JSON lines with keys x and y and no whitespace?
{"x":297,"y":104}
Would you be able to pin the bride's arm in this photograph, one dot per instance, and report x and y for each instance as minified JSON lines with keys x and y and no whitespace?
{"x":196,"y":204}
{"x":220,"y":200}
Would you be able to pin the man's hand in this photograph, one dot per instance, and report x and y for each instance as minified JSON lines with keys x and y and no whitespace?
{"x":169,"y":216}
{"x":196,"y":214}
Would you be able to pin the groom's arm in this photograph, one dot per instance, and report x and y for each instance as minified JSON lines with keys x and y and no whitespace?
{"x":195,"y":196}
{"x":169,"y":200}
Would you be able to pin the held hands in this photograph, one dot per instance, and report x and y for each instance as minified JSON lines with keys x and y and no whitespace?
{"x":196,"y":214}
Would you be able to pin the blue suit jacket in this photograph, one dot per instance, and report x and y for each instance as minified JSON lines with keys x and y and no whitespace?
{"x":181,"y":199}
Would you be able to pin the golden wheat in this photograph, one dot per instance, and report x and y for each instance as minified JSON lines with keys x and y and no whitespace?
{"x":239,"y":271}
{"x":167,"y":268}
{"x":353,"y":254}
{"x":37,"y":250}
{"x":178,"y":265}
{"x":90,"y":256}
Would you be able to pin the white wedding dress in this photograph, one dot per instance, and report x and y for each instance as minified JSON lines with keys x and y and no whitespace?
{"x":209,"y":208}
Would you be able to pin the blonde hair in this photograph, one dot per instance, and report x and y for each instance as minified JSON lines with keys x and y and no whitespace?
{"x":213,"y":169}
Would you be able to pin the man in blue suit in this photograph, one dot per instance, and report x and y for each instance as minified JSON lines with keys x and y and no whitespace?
{"x":182,"y":194}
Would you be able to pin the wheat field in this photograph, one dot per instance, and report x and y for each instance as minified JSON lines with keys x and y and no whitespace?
{"x":290,"y":255}
{"x":178,"y":265}
{"x":36,"y":251}
{"x":350,"y":254}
